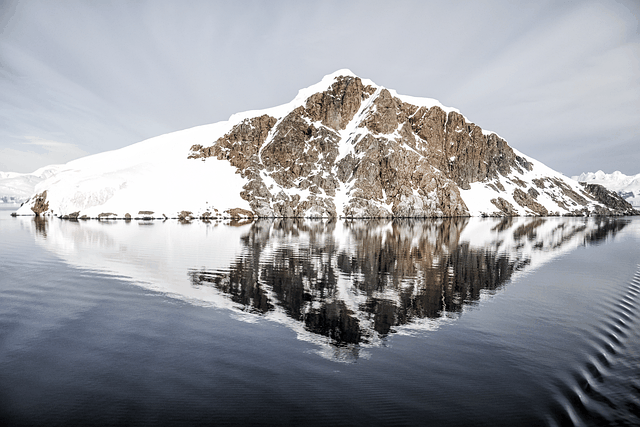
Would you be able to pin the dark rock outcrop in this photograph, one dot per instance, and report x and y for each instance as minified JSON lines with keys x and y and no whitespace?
{"x":525,"y":200}
{"x":504,"y":207}
{"x":40,"y":204}
{"x":615,"y":205}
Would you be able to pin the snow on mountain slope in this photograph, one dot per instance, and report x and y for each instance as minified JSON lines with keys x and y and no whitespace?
{"x":152,"y":176}
{"x":628,"y":187}
{"x":343,"y":147}
{"x":18,"y":187}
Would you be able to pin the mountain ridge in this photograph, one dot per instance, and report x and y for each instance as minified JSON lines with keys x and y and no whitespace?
{"x":627,"y":186}
{"x":344,"y":147}
{"x":16,"y":187}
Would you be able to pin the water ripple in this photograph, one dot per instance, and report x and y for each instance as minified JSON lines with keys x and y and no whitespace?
{"x":606,"y":389}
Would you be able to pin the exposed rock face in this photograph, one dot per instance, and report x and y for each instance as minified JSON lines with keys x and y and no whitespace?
{"x":460,"y":148}
{"x":525,"y":200}
{"x":240,"y":213}
{"x":300,"y":153}
{"x":386,"y":157}
{"x":402,"y":160}
{"x":336,"y":107}
{"x":40,"y":204}
{"x":106,"y":215}
{"x":504,"y":207}
{"x":615,"y":204}
{"x":347,"y":147}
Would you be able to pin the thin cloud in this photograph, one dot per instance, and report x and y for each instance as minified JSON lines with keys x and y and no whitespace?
{"x":38,"y":151}
{"x":551,"y":77}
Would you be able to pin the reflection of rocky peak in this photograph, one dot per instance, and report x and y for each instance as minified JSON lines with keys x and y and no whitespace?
{"x":361,"y":283}
{"x":357,"y":150}
{"x":342,"y":284}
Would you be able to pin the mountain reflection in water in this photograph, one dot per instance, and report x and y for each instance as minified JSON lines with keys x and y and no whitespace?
{"x":476,"y":321}
{"x":353,"y":283}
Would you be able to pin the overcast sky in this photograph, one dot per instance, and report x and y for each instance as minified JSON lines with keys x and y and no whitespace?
{"x":559,"y":80}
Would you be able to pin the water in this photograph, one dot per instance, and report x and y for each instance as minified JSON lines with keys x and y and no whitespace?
{"x":447,"y":322}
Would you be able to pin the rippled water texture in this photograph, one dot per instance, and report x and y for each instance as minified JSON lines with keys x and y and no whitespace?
{"x":523,"y":321}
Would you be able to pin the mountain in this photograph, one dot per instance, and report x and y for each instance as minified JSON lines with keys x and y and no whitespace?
{"x":628,"y":187}
{"x":19,"y":187}
{"x":343,"y":147}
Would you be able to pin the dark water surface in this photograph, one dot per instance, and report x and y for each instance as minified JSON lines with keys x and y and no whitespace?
{"x":522,"y":321}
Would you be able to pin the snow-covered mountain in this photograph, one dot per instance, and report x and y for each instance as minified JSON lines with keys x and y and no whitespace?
{"x":19,"y":187}
{"x":343,"y":147}
{"x":628,"y":187}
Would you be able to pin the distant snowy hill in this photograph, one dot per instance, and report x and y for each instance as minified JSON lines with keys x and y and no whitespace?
{"x":628,"y":187}
{"x":18,"y":187}
{"x":344,"y":147}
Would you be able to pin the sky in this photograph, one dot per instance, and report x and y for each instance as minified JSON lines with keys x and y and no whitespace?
{"x":559,"y":80}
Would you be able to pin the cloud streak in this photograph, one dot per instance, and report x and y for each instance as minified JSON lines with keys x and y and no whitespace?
{"x":38,"y":151}
{"x":558,"y":80}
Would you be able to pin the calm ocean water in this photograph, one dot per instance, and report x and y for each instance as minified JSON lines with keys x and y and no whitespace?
{"x":522,"y":321}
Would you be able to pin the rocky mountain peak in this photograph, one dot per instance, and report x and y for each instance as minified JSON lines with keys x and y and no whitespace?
{"x":336,"y":106}
{"x":375,"y":154}
{"x":350,"y":148}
